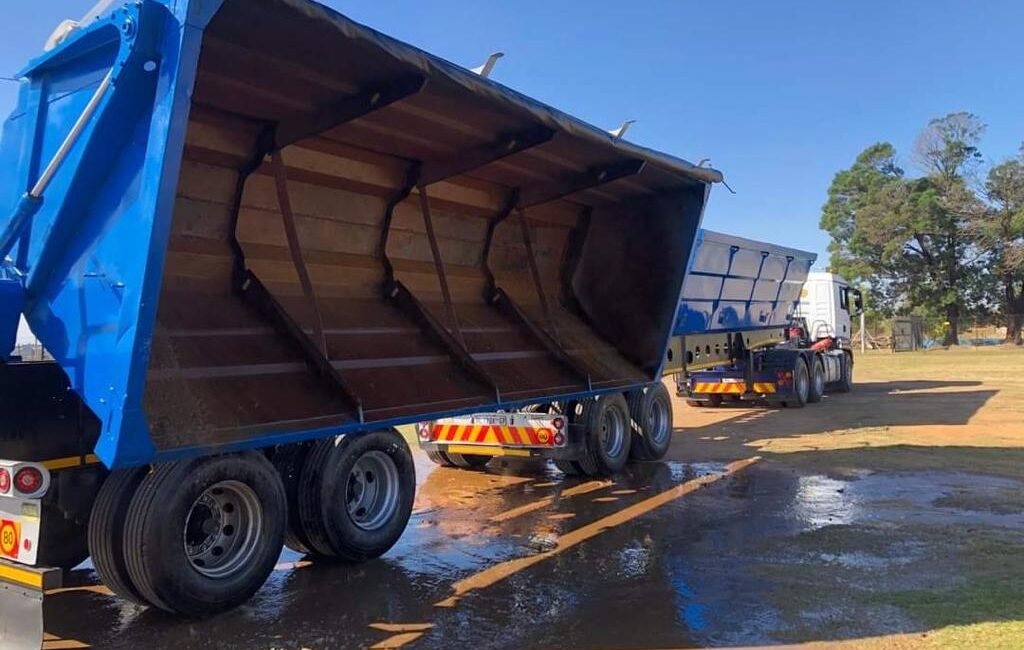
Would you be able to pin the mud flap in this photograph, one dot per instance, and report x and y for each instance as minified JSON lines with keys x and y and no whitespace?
{"x":21,"y":604}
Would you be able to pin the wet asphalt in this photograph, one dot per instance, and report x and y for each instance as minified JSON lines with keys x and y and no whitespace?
{"x":667,"y":555}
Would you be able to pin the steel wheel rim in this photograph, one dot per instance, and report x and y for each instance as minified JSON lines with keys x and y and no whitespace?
{"x":223,"y":529}
{"x":659,"y":422}
{"x":802,"y":382}
{"x":372,"y":490}
{"x":613,"y":432}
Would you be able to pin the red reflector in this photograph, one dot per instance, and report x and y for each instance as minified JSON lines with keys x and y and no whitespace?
{"x":424,"y":431}
{"x":28,"y":480}
{"x":558,"y":423}
{"x":5,"y":480}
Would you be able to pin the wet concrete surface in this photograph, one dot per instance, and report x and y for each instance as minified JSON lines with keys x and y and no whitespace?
{"x":705,"y":569}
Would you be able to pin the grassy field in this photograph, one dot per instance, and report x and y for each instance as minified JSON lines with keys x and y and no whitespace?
{"x":958,"y":409}
{"x":943,"y":431}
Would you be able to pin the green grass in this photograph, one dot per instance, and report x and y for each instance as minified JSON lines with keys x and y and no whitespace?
{"x":987,"y":609}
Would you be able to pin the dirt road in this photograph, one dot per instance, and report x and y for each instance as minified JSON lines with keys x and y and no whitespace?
{"x":889,"y":517}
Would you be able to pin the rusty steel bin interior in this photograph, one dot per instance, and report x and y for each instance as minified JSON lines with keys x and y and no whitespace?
{"x":363,"y":232}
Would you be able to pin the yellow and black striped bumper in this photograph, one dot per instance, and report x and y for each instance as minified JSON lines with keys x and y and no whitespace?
{"x":729,"y":388}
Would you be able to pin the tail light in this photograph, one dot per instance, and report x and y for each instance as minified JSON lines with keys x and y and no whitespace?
{"x":558,"y":423}
{"x":28,"y":480}
{"x":559,"y":439}
{"x":23,"y":479}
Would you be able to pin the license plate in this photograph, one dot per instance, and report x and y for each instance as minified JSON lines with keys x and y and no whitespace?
{"x":499,"y":420}
{"x":20,"y":521}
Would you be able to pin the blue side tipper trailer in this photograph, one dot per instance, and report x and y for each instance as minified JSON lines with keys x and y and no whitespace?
{"x":738,"y":335}
{"x":257,"y":236}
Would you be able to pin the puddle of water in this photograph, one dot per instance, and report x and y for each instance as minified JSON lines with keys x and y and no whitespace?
{"x":823,"y":501}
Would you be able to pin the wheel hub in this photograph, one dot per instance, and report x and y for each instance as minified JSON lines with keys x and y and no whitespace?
{"x":659,"y":422}
{"x":613,"y":433}
{"x":802,"y":383}
{"x":373,"y":488}
{"x":222,"y":529}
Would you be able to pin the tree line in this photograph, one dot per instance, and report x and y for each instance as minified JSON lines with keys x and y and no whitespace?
{"x":947,"y":243}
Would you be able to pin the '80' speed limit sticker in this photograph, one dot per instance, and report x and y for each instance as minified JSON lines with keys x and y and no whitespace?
{"x":10,"y":537}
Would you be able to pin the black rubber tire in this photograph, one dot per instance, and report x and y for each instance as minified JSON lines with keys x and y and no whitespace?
{"x":440,"y":458}
{"x":817,"y":386}
{"x":596,"y":460}
{"x":106,"y":531}
{"x":651,"y":434}
{"x":64,"y":543}
{"x":712,"y":401}
{"x":568,"y":467}
{"x":845,"y":383}
{"x":323,"y":493}
{"x":469,"y":461}
{"x":797,"y":398}
{"x":154,"y":549}
{"x":288,"y":461}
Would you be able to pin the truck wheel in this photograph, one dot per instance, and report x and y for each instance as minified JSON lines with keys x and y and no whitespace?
{"x":568,"y":467}
{"x":650,"y":411}
{"x":356,"y":495}
{"x":696,"y":403}
{"x":202,"y":535}
{"x":801,"y":386}
{"x":469,"y":461}
{"x":106,"y":531}
{"x":845,"y":383}
{"x":288,"y":462}
{"x":440,"y":458}
{"x":816,"y":389}
{"x":64,"y":543}
{"x":607,"y":435}
{"x":714,"y":401}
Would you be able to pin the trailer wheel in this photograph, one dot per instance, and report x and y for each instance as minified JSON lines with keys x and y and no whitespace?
{"x":356,"y":495}
{"x":715,"y":401}
{"x":64,"y":542}
{"x":106,"y":531}
{"x":440,"y":458}
{"x":650,"y":412}
{"x":845,"y":383}
{"x":469,"y":461}
{"x":288,"y":462}
{"x":816,"y":389}
{"x":202,"y":535}
{"x":568,"y":467}
{"x":801,"y":385}
{"x":607,"y":435}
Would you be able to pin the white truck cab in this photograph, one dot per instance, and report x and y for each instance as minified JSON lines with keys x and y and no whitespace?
{"x":828,"y":302}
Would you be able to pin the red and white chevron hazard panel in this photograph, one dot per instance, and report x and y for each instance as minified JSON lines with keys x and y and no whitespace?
{"x":498,"y":429}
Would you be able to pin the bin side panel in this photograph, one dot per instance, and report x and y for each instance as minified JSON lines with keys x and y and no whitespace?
{"x":738,"y":284}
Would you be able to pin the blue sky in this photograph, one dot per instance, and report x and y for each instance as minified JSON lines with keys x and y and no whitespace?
{"x":779,"y":95}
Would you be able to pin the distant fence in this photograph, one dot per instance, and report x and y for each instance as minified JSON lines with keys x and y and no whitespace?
{"x":908,"y":333}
